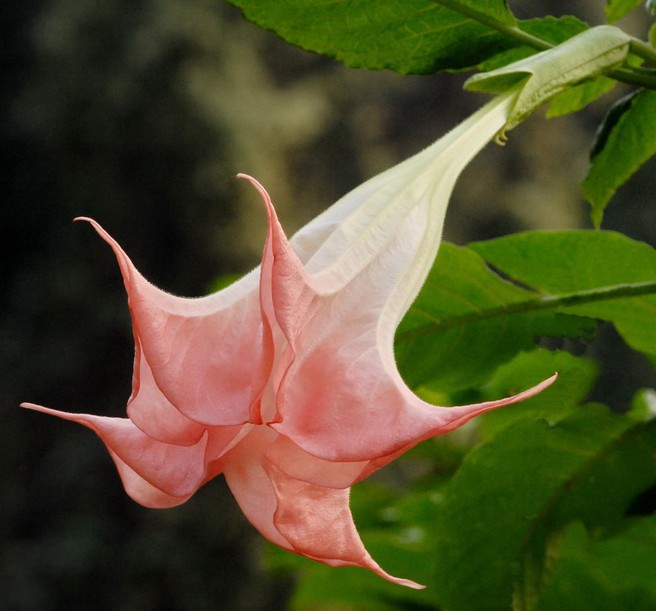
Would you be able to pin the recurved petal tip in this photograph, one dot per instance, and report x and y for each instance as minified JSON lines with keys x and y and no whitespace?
{"x":317,"y":522}
{"x":404,"y":582}
{"x":37,"y":408}
{"x":457,"y":416}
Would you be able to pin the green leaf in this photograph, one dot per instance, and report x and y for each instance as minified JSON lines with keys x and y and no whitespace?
{"x":414,"y":36}
{"x":615,"y":573}
{"x":567,"y":262}
{"x":616,"y":9}
{"x":467,"y":321}
{"x":579,"y":96}
{"x":608,"y":123}
{"x":576,"y":376}
{"x":410,"y":37}
{"x":631,"y":142}
{"x":493,"y":9}
{"x":512,"y":493}
{"x":587,"y":55}
{"x":554,"y":30}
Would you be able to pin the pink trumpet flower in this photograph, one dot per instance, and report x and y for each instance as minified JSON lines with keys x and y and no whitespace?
{"x":286,"y":381}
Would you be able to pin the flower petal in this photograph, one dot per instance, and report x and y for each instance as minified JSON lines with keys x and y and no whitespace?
{"x":317,"y":522}
{"x":141,"y":491}
{"x":286,"y":381}
{"x":250,"y":484}
{"x":197,"y":348}
{"x":176,"y":471}
{"x":297,"y":463}
{"x":153,"y":413}
{"x":341,"y":397}
{"x":370,"y":413}
{"x":296,"y":515}
{"x":349,"y":234}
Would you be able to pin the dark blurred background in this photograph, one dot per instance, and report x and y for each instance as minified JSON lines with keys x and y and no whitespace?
{"x":138,"y":113}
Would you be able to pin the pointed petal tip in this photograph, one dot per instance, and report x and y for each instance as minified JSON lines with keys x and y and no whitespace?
{"x":274,"y":225}
{"x":96,"y":225}
{"x":54,"y":412}
{"x":408,"y":583}
{"x":376,"y":569}
{"x":258,"y":185}
{"x":101,"y":232}
{"x":249,"y":178}
{"x":521,"y":396}
{"x":461,"y":414}
{"x":544,"y":384}
{"x":33,"y":406}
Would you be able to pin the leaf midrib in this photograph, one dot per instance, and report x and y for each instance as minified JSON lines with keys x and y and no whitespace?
{"x":544,"y":302}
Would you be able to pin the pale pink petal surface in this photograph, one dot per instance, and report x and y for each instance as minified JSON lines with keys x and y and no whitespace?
{"x":153,"y":413}
{"x":196,"y":348}
{"x":286,"y":381}
{"x":177,"y":471}
{"x":317,"y":522}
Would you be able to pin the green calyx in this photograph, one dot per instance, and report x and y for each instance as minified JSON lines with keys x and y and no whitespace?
{"x":596,"y":51}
